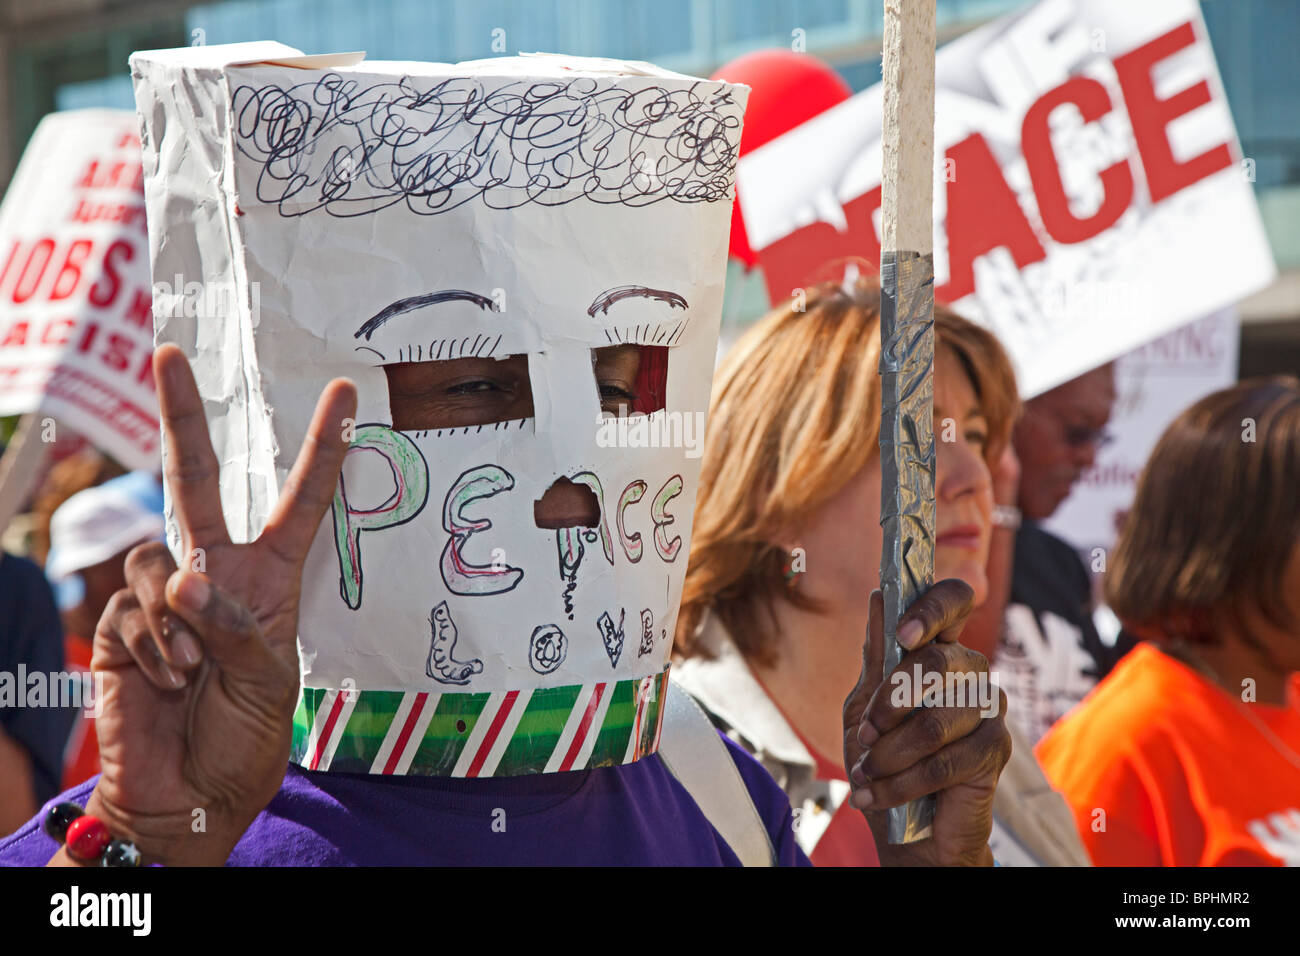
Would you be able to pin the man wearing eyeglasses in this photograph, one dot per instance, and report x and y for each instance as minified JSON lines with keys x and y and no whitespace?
{"x":1050,"y":654}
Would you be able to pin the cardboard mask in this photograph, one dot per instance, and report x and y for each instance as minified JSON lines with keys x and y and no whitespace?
{"x":520,"y":263}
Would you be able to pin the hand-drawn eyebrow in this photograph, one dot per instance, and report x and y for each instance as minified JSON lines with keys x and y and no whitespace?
{"x":419,"y":302}
{"x":610,"y":296}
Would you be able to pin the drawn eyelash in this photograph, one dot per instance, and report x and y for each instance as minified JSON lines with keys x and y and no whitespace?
{"x":665,"y":333}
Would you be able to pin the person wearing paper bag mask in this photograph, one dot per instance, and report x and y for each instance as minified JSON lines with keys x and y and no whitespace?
{"x":529,"y":324}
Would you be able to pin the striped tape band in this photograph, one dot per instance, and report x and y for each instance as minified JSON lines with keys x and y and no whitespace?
{"x":497,"y":734}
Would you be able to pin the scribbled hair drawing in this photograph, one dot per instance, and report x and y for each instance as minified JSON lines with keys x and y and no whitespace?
{"x":351,"y":149}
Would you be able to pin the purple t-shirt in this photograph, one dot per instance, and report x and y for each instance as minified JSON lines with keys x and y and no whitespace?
{"x":636,"y":814}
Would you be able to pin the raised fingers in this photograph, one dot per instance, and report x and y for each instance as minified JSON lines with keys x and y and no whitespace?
{"x":229,"y":631}
{"x":192,"y":469}
{"x":310,"y":486}
{"x":148,"y":566}
{"x":123,"y":638}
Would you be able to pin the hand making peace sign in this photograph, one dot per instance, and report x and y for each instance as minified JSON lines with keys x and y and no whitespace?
{"x":201,"y":669}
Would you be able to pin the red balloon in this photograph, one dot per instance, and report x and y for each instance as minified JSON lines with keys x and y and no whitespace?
{"x":786,"y":89}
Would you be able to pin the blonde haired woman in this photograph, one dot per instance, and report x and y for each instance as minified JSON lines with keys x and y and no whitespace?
{"x":786,"y":549}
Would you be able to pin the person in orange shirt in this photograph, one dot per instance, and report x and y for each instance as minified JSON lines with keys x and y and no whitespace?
{"x":1188,"y":753}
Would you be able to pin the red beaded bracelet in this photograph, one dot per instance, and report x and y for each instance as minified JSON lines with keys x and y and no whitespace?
{"x":87,"y":838}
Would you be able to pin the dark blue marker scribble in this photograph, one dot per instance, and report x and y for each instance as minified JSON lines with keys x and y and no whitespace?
{"x":352,"y":150}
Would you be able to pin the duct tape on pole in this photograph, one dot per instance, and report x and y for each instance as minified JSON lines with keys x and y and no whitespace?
{"x":907,"y":339}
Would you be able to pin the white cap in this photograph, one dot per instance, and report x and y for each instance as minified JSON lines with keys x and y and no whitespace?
{"x":97,"y":523}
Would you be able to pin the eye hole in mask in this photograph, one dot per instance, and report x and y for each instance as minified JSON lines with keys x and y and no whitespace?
{"x":632,"y":379}
{"x":456,"y":393}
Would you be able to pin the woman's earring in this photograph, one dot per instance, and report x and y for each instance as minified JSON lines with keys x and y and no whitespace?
{"x":796,"y":563}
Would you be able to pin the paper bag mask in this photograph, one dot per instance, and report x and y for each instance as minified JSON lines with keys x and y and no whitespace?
{"x":519,"y":262}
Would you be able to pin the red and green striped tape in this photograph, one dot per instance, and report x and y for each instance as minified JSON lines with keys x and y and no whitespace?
{"x":497,"y":734}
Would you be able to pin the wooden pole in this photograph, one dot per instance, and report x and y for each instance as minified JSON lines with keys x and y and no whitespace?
{"x":907,"y":338}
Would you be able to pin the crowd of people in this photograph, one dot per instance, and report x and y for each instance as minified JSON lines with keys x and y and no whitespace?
{"x":1146,"y":751}
{"x":225,"y":726}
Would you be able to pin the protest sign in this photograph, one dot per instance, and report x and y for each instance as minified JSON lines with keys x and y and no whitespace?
{"x":386,"y":222}
{"x":1090,"y":191}
{"x":76,"y":328}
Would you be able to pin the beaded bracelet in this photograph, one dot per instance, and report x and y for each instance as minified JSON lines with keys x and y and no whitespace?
{"x":87,"y":838}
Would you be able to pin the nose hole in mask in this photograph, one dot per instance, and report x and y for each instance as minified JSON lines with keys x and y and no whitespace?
{"x":567,"y":504}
